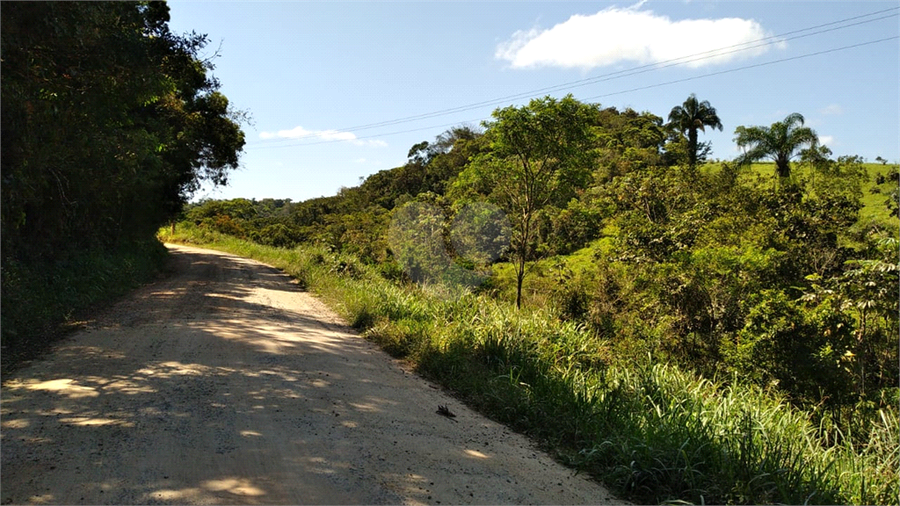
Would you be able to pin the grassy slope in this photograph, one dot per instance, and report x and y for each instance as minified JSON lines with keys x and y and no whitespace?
{"x":651,"y":432}
{"x":874,"y":207}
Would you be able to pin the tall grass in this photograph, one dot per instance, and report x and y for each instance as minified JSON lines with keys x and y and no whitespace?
{"x":651,"y":432}
{"x":40,"y":299}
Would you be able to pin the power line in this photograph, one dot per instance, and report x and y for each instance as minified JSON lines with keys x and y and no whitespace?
{"x":766,"y":41}
{"x":329,"y":141}
{"x":772,"y":62}
{"x":640,"y":88}
{"x":774,"y":39}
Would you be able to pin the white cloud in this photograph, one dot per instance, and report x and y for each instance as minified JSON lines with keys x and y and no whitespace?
{"x":832,"y":110}
{"x":321,"y":135}
{"x":827,"y":140}
{"x":367,"y":161}
{"x":615,"y":35}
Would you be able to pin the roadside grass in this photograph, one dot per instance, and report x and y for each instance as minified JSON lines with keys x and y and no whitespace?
{"x":651,"y":432}
{"x":42,"y":301}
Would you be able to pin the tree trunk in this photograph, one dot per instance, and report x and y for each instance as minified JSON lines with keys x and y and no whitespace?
{"x":692,"y":148}
{"x":783,"y":167}
{"x":523,"y":256}
{"x":862,"y":351}
{"x":520,"y":275}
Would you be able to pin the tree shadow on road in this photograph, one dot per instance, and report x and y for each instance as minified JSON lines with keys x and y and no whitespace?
{"x":198,"y":390}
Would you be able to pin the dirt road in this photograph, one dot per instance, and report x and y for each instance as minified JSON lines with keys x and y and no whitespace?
{"x":225,"y":383}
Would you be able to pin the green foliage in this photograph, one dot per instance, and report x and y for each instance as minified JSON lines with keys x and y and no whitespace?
{"x":626,"y":141}
{"x":799,"y":351}
{"x":881,"y":195}
{"x":356,"y":220}
{"x":278,"y":235}
{"x":42,"y":301}
{"x":540,"y":153}
{"x":867,"y":291}
{"x":417,"y":241}
{"x":654,"y":433}
{"x":573,"y":227}
{"x":785,"y":292}
{"x":844,"y":177}
{"x":692,"y":253}
{"x":690,"y":117}
{"x":430,"y":168}
{"x":236,"y":209}
{"x":780,"y":142}
{"x":109,"y":123}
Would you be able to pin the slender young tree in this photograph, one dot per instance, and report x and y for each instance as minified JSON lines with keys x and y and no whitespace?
{"x":539,"y":153}
{"x":690,"y":117}
{"x":781,"y":142}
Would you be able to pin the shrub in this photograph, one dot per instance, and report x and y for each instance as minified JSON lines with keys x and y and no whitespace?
{"x":653,"y":432}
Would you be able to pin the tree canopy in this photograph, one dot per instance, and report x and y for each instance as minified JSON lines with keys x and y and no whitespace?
{"x":540,"y":153}
{"x":780,"y":142}
{"x":109,"y":122}
{"x":688,"y":118}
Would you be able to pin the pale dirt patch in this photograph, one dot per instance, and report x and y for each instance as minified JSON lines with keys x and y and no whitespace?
{"x":227,"y":384}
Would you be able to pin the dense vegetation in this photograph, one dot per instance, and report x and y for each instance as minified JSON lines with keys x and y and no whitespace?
{"x":684,"y":329}
{"x":109,"y":122}
{"x":652,"y":269}
{"x":651,"y":431}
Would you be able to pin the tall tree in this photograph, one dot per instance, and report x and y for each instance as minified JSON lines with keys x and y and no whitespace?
{"x":781,"y":142}
{"x":539,"y":153}
{"x":690,"y":117}
{"x":109,"y":121}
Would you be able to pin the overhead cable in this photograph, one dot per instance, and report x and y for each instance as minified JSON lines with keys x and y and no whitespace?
{"x":611,"y":76}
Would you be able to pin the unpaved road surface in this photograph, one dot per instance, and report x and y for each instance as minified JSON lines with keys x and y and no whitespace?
{"x":224,"y":384}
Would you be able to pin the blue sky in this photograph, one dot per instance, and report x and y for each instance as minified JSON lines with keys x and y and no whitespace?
{"x":326,"y":83}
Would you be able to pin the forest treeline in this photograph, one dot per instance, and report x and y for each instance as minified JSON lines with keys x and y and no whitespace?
{"x":109,"y":122}
{"x":762,"y":272}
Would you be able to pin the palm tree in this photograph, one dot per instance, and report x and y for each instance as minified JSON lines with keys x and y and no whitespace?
{"x":780,"y":142}
{"x":691,"y":116}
